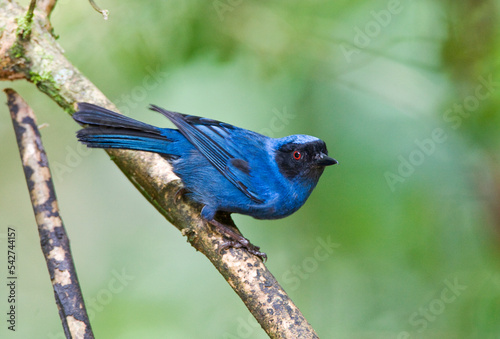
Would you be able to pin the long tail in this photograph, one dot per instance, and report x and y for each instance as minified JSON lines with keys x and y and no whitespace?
{"x":107,"y":129}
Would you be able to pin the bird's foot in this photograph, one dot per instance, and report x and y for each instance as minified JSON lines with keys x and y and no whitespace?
{"x":180,"y":193}
{"x":251,"y":248}
{"x":236,"y":240}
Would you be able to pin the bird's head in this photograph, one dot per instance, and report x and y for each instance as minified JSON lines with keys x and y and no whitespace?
{"x":302,"y":157}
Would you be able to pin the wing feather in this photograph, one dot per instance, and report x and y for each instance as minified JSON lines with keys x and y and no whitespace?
{"x":213,"y":139}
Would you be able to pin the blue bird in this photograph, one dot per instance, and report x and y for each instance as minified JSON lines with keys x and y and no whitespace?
{"x":225,"y":168}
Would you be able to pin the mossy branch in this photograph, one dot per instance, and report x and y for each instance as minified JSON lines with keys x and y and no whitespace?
{"x":40,"y":60}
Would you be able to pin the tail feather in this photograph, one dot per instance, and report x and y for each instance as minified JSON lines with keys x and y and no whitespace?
{"x":107,"y":129}
{"x":93,"y":115}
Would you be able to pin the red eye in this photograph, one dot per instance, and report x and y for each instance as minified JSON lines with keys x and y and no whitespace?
{"x":297,"y":155}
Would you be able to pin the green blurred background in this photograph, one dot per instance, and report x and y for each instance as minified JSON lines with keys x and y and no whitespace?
{"x":406,"y":96}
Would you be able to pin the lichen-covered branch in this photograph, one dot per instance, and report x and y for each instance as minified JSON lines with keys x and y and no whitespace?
{"x":53,"y":238}
{"x":41,"y":61}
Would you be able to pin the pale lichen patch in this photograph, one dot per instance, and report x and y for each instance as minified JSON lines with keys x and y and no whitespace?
{"x":49,"y":223}
{"x":57,"y":253}
{"x":62,"y":277}
{"x":55,"y":206}
{"x":76,"y":327}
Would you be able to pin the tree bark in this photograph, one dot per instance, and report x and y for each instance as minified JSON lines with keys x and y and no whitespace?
{"x":53,"y":238}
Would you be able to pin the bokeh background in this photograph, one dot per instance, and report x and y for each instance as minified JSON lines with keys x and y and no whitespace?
{"x":401,"y":240}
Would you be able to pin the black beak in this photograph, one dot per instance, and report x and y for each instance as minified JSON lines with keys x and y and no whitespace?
{"x":325,"y":160}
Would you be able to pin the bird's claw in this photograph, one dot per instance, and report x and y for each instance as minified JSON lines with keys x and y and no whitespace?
{"x":236,"y":240}
{"x":252,"y":249}
{"x":179,"y":194}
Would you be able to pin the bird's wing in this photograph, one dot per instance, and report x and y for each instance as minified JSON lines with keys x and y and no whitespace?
{"x":213,"y":139}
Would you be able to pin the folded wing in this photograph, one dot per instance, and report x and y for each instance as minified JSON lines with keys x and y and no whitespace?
{"x":214,"y":140}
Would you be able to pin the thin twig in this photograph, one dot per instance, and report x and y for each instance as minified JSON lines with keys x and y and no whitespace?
{"x":104,"y":12}
{"x":46,"y":6}
{"x":153,"y":177}
{"x":31,"y":9}
{"x":24,"y":31}
{"x":53,"y":238}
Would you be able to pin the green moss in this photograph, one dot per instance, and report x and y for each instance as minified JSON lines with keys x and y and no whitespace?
{"x":24,"y":27}
{"x":46,"y":83}
{"x":17,"y":50}
{"x":37,"y":78}
{"x":25,"y":22}
{"x":23,"y":32}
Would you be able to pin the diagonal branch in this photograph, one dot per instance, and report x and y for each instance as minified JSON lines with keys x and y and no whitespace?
{"x":53,"y":238}
{"x":41,"y":61}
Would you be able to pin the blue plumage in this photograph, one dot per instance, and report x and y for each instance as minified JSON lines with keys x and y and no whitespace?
{"x":225,"y":168}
